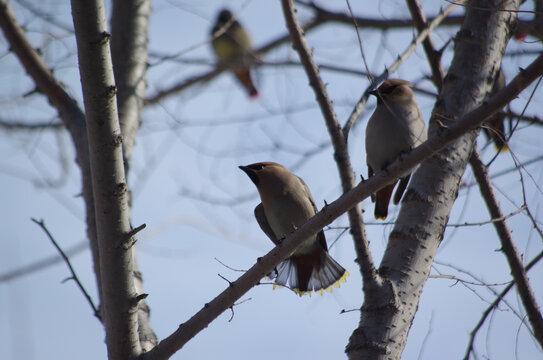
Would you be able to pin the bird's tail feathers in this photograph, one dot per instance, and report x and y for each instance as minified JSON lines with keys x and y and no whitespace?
{"x":382,"y":200}
{"x":244,"y":77}
{"x":304,"y":277}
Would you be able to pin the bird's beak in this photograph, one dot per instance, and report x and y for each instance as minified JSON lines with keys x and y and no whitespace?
{"x":374,"y":93}
{"x":251,"y":173}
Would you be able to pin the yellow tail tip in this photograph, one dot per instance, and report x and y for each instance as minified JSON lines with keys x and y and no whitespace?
{"x":501,"y":150}
{"x":301,"y":293}
{"x":338,"y":283}
{"x":380,"y":217}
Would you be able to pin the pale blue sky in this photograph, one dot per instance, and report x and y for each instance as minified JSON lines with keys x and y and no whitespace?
{"x":176,"y":151}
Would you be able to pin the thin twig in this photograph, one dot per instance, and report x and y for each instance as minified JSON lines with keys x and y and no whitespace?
{"x":41,"y":224}
{"x":339,"y":142}
{"x":372,"y":80}
{"x":24,"y":126}
{"x":355,"y":114}
{"x":508,"y":246}
{"x":485,"y":185}
{"x":207,"y":76}
{"x":494,"y":304}
{"x":229,"y":267}
{"x":433,"y":56}
{"x":43,"y":263}
{"x":135,"y":230}
{"x":199,"y":321}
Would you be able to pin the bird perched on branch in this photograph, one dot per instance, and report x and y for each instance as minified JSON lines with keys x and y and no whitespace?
{"x":232,"y":45}
{"x":286,"y":205}
{"x":395,"y":127}
{"x":494,"y":127}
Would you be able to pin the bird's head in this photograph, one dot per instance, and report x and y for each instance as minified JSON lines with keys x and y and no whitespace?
{"x":224,"y":16}
{"x":393,"y":90}
{"x":264,"y":172}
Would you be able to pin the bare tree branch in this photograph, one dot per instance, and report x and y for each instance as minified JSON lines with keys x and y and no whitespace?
{"x":371,"y":23}
{"x":508,"y":246}
{"x":434,"y":57}
{"x":27,"y":126}
{"x":485,"y":185}
{"x":332,"y":211}
{"x":494,"y":305}
{"x":423,"y":34}
{"x":341,"y":153}
{"x":207,"y":76}
{"x":69,"y":111}
{"x":74,"y":276}
{"x":42,"y":264}
{"x":427,"y":203}
{"x":323,"y":16}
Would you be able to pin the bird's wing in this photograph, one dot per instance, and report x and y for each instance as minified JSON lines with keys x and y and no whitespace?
{"x":370,"y":174}
{"x":260,"y":216}
{"x":320,"y":235}
{"x":401,"y":188}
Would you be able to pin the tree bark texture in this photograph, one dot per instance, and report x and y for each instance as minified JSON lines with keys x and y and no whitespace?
{"x":386,"y":320}
{"x":129,"y":50}
{"x":119,"y":297}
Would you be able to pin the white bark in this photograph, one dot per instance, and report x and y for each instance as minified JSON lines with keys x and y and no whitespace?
{"x":110,"y":190}
{"x":387,"y":315}
{"x":129,"y":49}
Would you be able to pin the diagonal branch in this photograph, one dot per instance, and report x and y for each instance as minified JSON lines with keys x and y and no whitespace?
{"x":70,"y":267}
{"x":423,"y":35}
{"x":487,"y":190}
{"x":341,"y":153}
{"x":332,"y":211}
{"x":322,"y":16}
{"x":433,"y":56}
{"x":364,"y":22}
{"x":209,"y":75}
{"x":69,"y":111}
{"x":495,"y":305}
{"x":508,"y":246}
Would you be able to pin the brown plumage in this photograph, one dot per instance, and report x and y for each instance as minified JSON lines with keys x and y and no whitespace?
{"x":494,"y":127}
{"x":286,"y":205}
{"x":395,"y":127}
{"x":232,"y":45}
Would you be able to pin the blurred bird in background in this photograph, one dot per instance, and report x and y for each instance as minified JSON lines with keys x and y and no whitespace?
{"x":286,"y":205}
{"x":232,"y":45}
{"x":395,"y":127}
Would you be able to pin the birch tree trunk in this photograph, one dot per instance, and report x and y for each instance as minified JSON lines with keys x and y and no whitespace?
{"x":118,"y":292}
{"x":387,"y":315}
{"x":129,"y":44}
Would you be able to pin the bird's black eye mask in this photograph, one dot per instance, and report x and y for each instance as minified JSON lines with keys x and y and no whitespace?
{"x":388,"y":90}
{"x":251,"y":171}
{"x":378,"y":93}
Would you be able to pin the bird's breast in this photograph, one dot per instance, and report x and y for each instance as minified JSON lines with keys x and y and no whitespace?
{"x":285,"y":215}
{"x":390,"y":132}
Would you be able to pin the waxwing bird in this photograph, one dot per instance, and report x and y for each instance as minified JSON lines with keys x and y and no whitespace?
{"x":494,"y":127}
{"x":286,"y":205}
{"x":395,"y":127}
{"x":232,"y":45}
